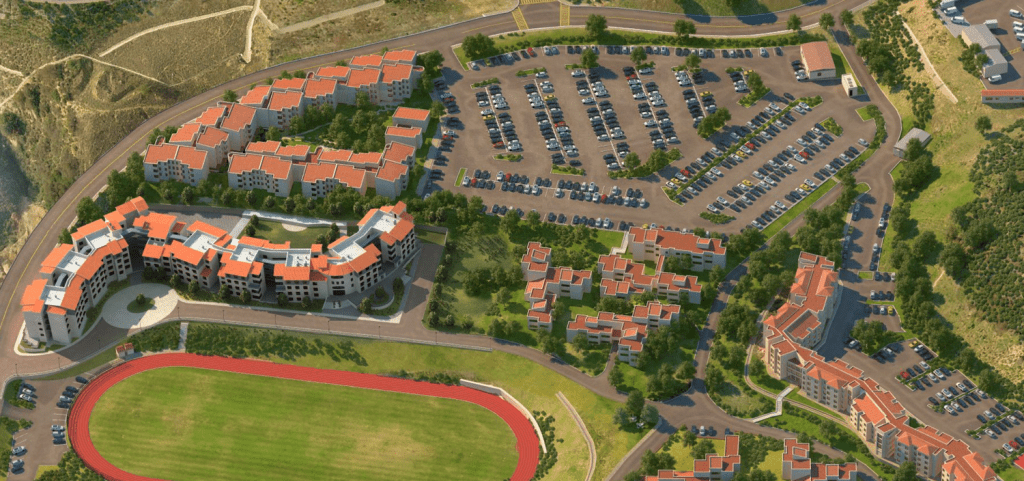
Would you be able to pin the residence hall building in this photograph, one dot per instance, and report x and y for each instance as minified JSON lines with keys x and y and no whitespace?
{"x":621,"y":277}
{"x":630,"y":332}
{"x":387,"y":79}
{"x":789,"y":336}
{"x":817,"y":60}
{"x":544,"y":284}
{"x":796,"y":466}
{"x":74,"y":277}
{"x":653,"y":244}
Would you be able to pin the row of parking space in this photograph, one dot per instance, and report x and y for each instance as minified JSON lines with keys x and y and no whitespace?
{"x":58,"y":435}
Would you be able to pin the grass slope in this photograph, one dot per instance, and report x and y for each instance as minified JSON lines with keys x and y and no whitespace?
{"x":231,"y":426}
{"x":275,"y":232}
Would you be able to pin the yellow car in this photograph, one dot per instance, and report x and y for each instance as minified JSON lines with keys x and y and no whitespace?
{"x":488,"y":117}
{"x":549,"y":97}
{"x":805,"y":187}
{"x":748,"y":183}
{"x":741,"y":154}
{"x":892,"y":311}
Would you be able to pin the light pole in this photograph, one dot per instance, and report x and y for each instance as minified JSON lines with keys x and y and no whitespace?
{"x":378,"y":332}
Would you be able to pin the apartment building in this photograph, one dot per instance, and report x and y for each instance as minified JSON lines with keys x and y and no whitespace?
{"x":74,"y":277}
{"x":182,"y":163}
{"x":796,"y":466}
{"x":629,"y":332}
{"x":545,"y":284}
{"x":813,"y":299}
{"x":319,"y":179}
{"x":414,"y":118}
{"x":253,"y":171}
{"x":621,"y":277}
{"x":386,"y":79}
{"x":655,"y":244}
{"x":404,"y":135}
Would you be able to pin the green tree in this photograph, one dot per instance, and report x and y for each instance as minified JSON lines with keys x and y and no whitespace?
{"x":621,"y":417}
{"x":431,"y":62}
{"x":588,"y":59}
{"x":754,"y":82}
{"x":65,"y":236}
{"x":87,"y":211}
{"x":175,"y":281}
{"x":828,"y":431}
{"x":826,"y":21}
{"x":193,"y":288}
{"x":269,"y":202}
{"x":533,"y":219}
{"x":794,"y":22}
{"x":225,"y":292}
{"x":581,"y":343}
{"x":282,"y":299}
{"x":684,"y":28}
{"x":365,"y":305}
{"x":693,"y":62}
{"x":510,"y":223}
{"x":685,"y":372}
{"x":689,"y":438}
{"x":503,"y":296}
{"x":638,"y":56}
{"x":635,"y":403}
{"x":230,"y":96}
{"x":983,"y":124}
{"x":188,"y":195}
{"x":274,"y":133}
{"x":478,"y":46}
{"x":702,"y":449}
{"x":140,"y":300}
{"x":436,"y":109}
{"x":246,"y":296}
{"x":596,"y":26}
{"x":846,"y":17}
{"x":906,"y":472}
{"x":652,"y":462}
{"x":953,"y":260}
{"x":615,"y":377}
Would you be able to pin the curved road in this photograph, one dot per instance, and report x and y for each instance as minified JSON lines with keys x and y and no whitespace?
{"x":693,"y":406}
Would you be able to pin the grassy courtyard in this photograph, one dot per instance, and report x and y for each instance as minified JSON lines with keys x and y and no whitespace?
{"x":238,"y":427}
{"x":275,"y":232}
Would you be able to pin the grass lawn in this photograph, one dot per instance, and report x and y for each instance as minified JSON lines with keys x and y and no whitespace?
{"x":45,"y":468}
{"x":799,"y":208}
{"x":684,"y":461}
{"x":275,"y":232}
{"x":863,"y":113}
{"x":458,"y":179}
{"x":1012,"y":473}
{"x":234,"y":426}
{"x":866,"y":275}
{"x":430,"y":236}
{"x":532,"y":384}
{"x":773,"y":463}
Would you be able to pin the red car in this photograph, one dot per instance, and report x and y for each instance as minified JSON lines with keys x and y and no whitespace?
{"x":750,"y":145}
{"x":473,"y":182}
{"x":499,"y":144}
{"x":604,"y":198}
{"x":905,"y":375}
{"x":804,"y":155}
{"x":531,"y":52}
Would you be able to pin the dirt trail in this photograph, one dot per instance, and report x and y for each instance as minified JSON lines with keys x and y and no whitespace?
{"x":931,"y":69}
{"x":181,"y":22}
{"x":11,"y":71}
{"x":28,"y":77}
{"x":247,"y":54}
{"x":295,"y":27}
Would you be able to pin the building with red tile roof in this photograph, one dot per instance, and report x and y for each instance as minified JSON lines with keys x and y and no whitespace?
{"x":241,"y":124}
{"x":285,"y":105}
{"x":796,"y":465}
{"x":401,"y":153}
{"x":1002,"y":96}
{"x":621,"y":277}
{"x":817,"y":59}
{"x":257,"y":97}
{"x":629,"y":332}
{"x":319,"y":179}
{"x":654,"y":244}
{"x":215,"y":142}
{"x":182,"y":163}
{"x":545,"y":284}
{"x":391,"y":179}
{"x":386,"y":80}
{"x":404,"y":135}
{"x":410,"y":117}
{"x":186,"y":135}
{"x":268,"y":172}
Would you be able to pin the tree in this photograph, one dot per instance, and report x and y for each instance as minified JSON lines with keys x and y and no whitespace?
{"x":533,"y":219}
{"x":225,"y":292}
{"x":826,"y":21}
{"x":230,"y":96}
{"x":684,"y":28}
{"x":365,"y":305}
{"x":510,"y":222}
{"x":436,"y":109}
{"x":193,"y":288}
{"x":621,"y":417}
{"x":794,"y":23}
{"x":140,"y":300}
{"x":652,"y":462}
{"x":596,"y":26}
{"x":87,"y":211}
{"x":431,"y":62}
{"x":274,"y":133}
{"x":689,"y":438}
{"x":615,"y":377}
{"x":702,"y":448}
{"x":983,"y":124}
{"x":269,"y":202}
{"x":246,"y":296}
{"x":754,"y":82}
{"x":504,"y":295}
{"x":906,"y":472}
{"x":635,"y":403}
{"x":588,"y":59}
{"x":188,"y":194}
{"x":175,"y":281}
{"x":650,"y":415}
{"x":685,"y":372}
{"x":693,"y":62}
{"x":828,"y":431}
{"x":631,"y":160}
{"x":282,"y":299}
{"x":638,"y":56}
{"x":953,"y":260}
{"x":478,"y":46}
{"x":846,"y":17}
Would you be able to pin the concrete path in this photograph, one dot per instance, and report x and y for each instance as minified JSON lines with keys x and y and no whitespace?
{"x":115,"y":310}
{"x":183,"y":22}
{"x":778,"y":406}
{"x":586,"y":434}
{"x":295,"y":27}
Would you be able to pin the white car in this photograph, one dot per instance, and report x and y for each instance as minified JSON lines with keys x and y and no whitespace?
{"x":578,"y":73}
{"x":589,"y":101}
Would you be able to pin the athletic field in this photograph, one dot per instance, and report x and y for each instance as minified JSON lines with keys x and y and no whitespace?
{"x":185,"y":423}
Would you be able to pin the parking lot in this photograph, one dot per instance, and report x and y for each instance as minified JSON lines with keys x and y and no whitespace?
{"x":42,"y":445}
{"x":1008,"y":33}
{"x":967,"y":405}
{"x":581,"y":117}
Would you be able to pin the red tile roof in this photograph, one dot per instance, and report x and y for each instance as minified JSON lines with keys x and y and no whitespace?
{"x":322,"y":87}
{"x":408,"y":132}
{"x":284,"y":100}
{"x":419,"y":115}
{"x":296,"y":83}
{"x":239,"y":118}
{"x":392,"y":171}
{"x":211,"y":116}
{"x":366,"y":158}
{"x":400,"y":55}
{"x":367,"y":61}
{"x":396,"y":73}
{"x":335,"y":71}
{"x":187,"y":133}
{"x":360,"y":78}
{"x":212,"y":137}
{"x":256,"y":97}
{"x":1002,"y":93}
{"x":263,"y":147}
{"x":399,"y":152}
{"x":817,"y":56}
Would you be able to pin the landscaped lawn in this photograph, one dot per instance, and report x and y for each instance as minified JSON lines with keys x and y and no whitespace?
{"x":430,"y":236}
{"x":684,"y":461}
{"x":798,"y":208}
{"x":276,"y":233}
{"x":187,"y":423}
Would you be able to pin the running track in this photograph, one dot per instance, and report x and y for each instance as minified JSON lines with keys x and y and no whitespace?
{"x":527,"y":444}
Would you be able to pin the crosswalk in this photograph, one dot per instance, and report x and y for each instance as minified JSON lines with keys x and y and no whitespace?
{"x":531,"y":2}
{"x":517,"y":14}
{"x":563,"y":14}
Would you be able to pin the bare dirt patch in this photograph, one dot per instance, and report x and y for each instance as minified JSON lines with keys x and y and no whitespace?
{"x":287,"y":12}
{"x":170,"y":11}
{"x":292,"y":227}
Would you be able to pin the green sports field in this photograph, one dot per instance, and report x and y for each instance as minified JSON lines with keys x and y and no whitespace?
{"x":194,"y":424}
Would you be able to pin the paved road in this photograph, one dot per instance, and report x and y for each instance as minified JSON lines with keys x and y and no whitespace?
{"x":692,"y":406}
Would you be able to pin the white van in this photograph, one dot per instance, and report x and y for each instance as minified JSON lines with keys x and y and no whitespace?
{"x":1018,"y":24}
{"x":959,"y":20}
{"x":995,"y":79}
{"x":1018,"y":29}
{"x":1016,"y":13}
{"x":1020,"y":35}
{"x":952,"y":12}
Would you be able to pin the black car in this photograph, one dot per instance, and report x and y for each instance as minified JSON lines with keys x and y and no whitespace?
{"x":81,"y":380}
{"x":789,"y":96}
{"x":63,"y":405}
{"x":982,"y":419}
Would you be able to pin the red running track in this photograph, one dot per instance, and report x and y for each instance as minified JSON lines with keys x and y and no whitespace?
{"x":527,"y":444}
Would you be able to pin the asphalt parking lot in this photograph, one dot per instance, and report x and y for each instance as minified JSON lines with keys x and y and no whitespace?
{"x":919,"y":406}
{"x":473,"y":149}
{"x":38,"y":439}
{"x":976,"y":13}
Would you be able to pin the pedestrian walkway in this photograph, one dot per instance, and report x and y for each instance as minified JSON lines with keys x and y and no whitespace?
{"x":182,"y":335}
{"x":778,"y":406}
{"x":517,"y":14}
{"x":533,"y":2}
{"x":586,"y":434}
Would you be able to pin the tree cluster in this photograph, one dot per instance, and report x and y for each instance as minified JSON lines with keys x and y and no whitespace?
{"x":659,"y":159}
{"x":713,"y":122}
